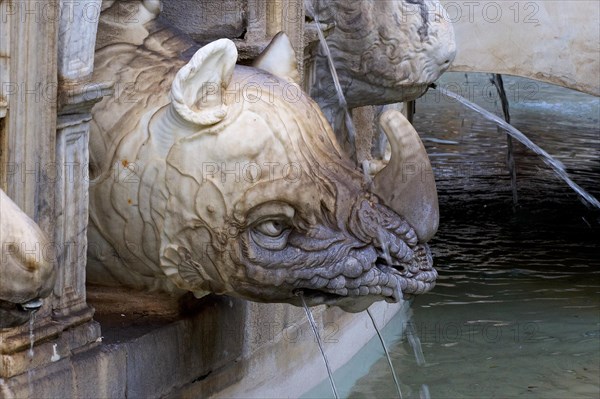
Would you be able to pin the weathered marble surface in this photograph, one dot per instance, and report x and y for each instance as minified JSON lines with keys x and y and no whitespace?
{"x":250,"y":24}
{"x":384,"y":52}
{"x":234,"y":184}
{"x":551,"y":41}
{"x":26,"y":265}
{"x":46,"y":55}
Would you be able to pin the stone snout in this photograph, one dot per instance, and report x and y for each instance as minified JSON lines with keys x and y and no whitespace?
{"x":27,"y":272}
{"x":375,"y":255}
{"x":250,"y":195}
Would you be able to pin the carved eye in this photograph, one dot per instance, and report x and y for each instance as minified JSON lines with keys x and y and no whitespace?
{"x":271,"y":234}
{"x":270,"y":224}
{"x":271,"y":228}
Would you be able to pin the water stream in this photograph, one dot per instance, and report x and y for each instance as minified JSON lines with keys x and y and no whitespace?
{"x":498,"y":82}
{"x":424,"y":394}
{"x":387,"y":354}
{"x":336,"y":82}
{"x":516,"y":310}
{"x":30,"y":352}
{"x":557,"y":166}
{"x":415,"y":343}
{"x":313,"y":325}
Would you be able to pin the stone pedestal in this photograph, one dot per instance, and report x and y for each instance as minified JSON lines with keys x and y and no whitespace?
{"x":227,"y":348}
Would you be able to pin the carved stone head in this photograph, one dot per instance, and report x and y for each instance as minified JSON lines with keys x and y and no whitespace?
{"x":275,"y":203}
{"x":384,"y":51}
{"x":26,"y":272}
{"x":244,"y":191}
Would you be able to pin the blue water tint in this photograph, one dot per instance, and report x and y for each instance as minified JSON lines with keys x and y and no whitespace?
{"x":347,"y":375}
{"x":516,"y":311}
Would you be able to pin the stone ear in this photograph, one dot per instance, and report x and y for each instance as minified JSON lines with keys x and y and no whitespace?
{"x":279,"y":58}
{"x":197,"y":93}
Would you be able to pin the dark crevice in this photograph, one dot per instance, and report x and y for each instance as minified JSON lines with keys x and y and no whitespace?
{"x":202,"y":377}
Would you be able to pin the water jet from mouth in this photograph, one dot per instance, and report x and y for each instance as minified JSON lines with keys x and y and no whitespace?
{"x":31,"y":333}
{"x":311,"y":320}
{"x":387,"y":354}
{"x":385,"y":249}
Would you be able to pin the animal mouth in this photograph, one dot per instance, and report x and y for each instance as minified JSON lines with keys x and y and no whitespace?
{"x":318,"y":296}
{"x":390,"y":282}
{"x":29,"y":306}
{"x":13,"y":314}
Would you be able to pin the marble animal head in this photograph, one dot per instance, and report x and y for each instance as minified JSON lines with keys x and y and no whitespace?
{"x":244,"y":191}
{"x":384,"y":51}
{"x":26,"y":272}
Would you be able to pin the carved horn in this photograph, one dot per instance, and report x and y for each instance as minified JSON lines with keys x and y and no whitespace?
{"x":407,"y":184}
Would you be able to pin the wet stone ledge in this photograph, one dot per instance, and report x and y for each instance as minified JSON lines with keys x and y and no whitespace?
{"x":153,"y":361}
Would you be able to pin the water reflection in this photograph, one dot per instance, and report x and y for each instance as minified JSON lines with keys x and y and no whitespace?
{"x":516,"y":312}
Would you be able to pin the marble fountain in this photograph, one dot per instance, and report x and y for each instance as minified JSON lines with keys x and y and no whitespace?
{"x":149,"y":249}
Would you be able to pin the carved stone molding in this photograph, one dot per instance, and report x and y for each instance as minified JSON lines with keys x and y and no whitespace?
{"x":45,"y":159}
{"x":4,"y":62}
{"x":251,"y":24}
{"x":77,"y":38}
{"x":71,"y":213}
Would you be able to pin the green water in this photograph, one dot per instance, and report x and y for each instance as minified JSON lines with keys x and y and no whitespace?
{"x":516,"y":311}
{"x":490,"y":331}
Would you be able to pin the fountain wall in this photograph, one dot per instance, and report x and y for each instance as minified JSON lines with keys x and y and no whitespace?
{"x":551,"y":41}
{"x":133,"y":346}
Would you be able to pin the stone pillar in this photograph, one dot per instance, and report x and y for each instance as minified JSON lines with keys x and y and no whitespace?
{"x":45,"y":162}
{"x":4,"y":68}
{"x":76,"y":97}
{"x":77,"y":37}
{"x":4,"y":80}
{"x":28,"y":70}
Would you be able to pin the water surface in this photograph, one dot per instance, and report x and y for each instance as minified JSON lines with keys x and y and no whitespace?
{"x":516,"y":311}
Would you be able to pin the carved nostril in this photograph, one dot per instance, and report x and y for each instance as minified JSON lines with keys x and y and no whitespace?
{"x":382,"y":261}
{"x":400,"y":268}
